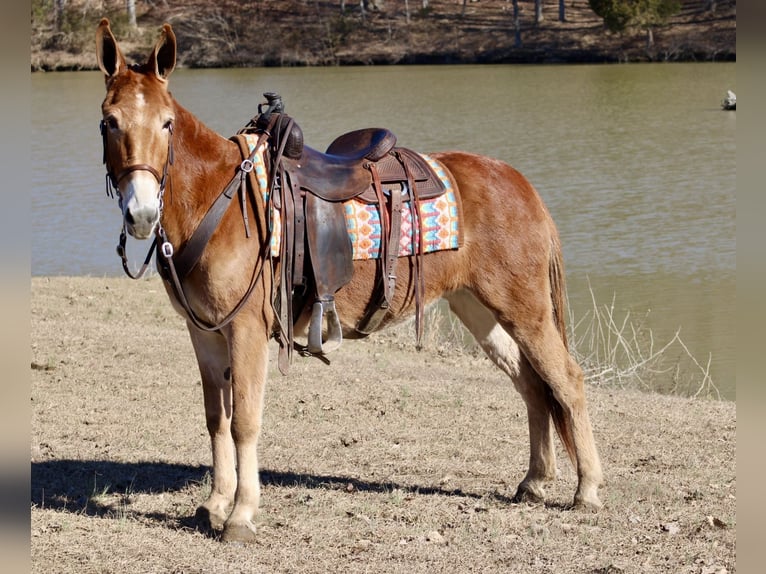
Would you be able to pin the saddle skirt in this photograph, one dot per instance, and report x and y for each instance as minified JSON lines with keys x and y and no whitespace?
{"x":440,"y":216}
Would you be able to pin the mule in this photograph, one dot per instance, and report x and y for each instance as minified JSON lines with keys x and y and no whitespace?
{"x":505,"y":282}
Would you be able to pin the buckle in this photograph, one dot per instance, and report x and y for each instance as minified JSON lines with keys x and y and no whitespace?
{"x":247,"y":166}
{"x":167,"y":249}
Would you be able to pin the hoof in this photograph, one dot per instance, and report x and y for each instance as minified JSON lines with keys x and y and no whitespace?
{"x":208,"y":520}
{"x":529,"y":494}
{"x":238,"y":533}
{"x":583,"y":504}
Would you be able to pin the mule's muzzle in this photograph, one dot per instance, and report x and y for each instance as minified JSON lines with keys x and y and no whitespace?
{"x":140,"y":222}
{"x":140,"y":203}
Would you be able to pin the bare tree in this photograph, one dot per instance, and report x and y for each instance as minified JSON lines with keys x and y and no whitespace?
{"x":131,"y":6}
{"x":516,"y":25}
{"x":369,"y":6}
{"x":59,"y":12}
{"x":538,"y":11}
{"x":562,"y":11}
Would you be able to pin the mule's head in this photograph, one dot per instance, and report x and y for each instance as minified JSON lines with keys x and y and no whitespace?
{"x":137,"y":126}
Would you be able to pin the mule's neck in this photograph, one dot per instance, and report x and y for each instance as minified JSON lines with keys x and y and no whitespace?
{"x":204,"y":164}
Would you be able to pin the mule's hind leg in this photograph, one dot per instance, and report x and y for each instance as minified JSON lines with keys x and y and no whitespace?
{"x":537,"y":335}
{"x":213,"y":359}
{"x":505,"y":353}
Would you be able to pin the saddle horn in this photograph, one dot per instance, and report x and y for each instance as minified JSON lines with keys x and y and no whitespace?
{"x":272,"y":118}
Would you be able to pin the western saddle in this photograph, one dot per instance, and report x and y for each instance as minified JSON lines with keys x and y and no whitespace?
{"x":309,"y":188}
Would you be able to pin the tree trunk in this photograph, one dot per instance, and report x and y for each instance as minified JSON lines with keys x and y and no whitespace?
{"x":59,"y":13}
{"x":516,"y":25}
{"x":131,"y":6}
{"x":538,"y":11}
{"x":562,"y":11}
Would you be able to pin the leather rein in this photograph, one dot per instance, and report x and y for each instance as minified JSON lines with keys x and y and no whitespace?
{"x":175,"y":269}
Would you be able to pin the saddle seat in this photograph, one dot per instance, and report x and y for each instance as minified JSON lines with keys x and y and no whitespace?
{"x":368,"y":143}
{"x":343,"y":171}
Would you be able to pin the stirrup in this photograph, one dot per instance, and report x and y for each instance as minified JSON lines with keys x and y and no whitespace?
{"x":316,"y":344}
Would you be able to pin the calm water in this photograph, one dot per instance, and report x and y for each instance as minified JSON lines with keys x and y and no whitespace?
{"x":636,"y":163}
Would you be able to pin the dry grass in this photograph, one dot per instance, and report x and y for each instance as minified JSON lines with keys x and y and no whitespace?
{"x":387,"y":460}
{"x":622,"y":351}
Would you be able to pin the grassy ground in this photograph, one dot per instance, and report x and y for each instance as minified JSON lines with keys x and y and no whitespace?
{"x":387,"y":460}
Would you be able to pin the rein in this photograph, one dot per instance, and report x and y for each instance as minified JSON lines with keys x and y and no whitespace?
{"x":188,"y":258}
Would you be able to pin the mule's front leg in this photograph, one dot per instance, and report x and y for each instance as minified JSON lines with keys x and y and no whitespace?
{"x":213,"y":358}
{"x":248,"y":349}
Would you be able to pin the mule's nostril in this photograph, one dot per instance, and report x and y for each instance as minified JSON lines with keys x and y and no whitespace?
{"x":129,"y":218}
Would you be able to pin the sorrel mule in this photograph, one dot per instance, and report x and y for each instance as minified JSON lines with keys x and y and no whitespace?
{"x":505,"y":281}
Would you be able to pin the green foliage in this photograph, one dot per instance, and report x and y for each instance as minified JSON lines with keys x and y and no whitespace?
{"x":41,"y":9}
{"x":620,"y":14}
{"x":617,"y":14}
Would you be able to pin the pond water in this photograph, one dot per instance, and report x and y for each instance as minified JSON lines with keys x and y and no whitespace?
{"x":637,"y":164}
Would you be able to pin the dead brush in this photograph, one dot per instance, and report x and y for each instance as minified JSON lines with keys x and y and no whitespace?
{"x":614,"y":348}
{"x":622,"y":351}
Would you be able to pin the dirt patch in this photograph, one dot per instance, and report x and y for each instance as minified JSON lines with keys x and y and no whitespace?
{"x":387,"y":460}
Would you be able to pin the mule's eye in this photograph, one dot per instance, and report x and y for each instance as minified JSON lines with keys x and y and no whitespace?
{"x":168,"y":125}
{"x":111,"y":123}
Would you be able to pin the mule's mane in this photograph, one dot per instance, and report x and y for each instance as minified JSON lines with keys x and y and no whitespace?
{"x":201,"y":152}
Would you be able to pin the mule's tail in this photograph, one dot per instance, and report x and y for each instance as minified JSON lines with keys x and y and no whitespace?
{"x":558,"y":288}
{"x":561,"y":420}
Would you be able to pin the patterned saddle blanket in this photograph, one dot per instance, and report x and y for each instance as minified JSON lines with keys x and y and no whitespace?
{"x":440,"y":217}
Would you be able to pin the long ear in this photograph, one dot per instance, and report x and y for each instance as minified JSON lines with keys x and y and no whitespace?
{"x":108,"y":54}
{"x":163,"y":58}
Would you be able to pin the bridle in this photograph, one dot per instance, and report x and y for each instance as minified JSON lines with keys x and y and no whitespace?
{"x":113,"y":186}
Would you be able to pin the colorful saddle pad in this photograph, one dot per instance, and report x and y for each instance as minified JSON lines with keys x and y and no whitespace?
{"x":440,"y":217}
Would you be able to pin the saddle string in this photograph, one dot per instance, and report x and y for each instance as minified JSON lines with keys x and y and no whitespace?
{"x":281,"y":299}
{"x":387,"y":264}
{"x":417,"y":259}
